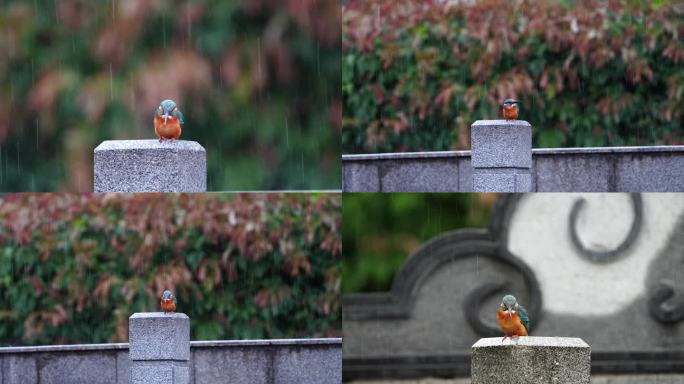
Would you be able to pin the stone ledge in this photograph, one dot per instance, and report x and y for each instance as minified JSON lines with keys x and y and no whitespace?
{"x":535,"y":151}
{"x":531,"y":360}
{"x":126,"y":145}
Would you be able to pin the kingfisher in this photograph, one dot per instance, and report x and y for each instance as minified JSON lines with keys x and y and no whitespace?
{"x":168,"y":302}
{"x":510,"y":109}
{"x":168,"y":121}
{"x":512,"y":318}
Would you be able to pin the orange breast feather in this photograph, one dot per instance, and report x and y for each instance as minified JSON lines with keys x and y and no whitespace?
{"x":510,"y":113}
{"x":511,"y":326}
{"x":169,"y":130}
{"x":168,"y":305}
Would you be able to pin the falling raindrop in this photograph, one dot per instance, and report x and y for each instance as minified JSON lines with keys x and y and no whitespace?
{"x":111,"y":83}
{"x":164,"y":29}
{"x":287,"y":135}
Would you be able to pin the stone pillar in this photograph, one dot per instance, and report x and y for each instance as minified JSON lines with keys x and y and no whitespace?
{"x":159,"y":347}
{"x":532,"y":360}
{"x":501,"y":155}
{"x":150,"y":166}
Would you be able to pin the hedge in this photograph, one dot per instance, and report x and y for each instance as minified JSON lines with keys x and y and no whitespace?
{"x":417,"y":74}
{"x":73,"y":268}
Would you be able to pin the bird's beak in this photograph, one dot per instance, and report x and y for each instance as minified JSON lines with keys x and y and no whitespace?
{"x":509,"y":311}
{"x":166,"y":116}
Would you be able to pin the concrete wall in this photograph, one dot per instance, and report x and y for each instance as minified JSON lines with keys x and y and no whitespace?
{"x":242,"y":361}
{"x":616,"y":169}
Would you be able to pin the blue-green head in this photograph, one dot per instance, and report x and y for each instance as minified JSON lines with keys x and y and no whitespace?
{"x":167,"y":295}
{"x":508,"y":304}
{"x":511,"y":103}
{"x":168,"y":108}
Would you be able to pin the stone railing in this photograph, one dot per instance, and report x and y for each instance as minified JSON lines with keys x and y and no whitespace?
{"x":501,"y":163}
{"x":159,"y":354}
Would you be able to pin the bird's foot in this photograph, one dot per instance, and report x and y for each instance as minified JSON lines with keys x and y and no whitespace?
{"x":504,"y":338}
{"x":160,"y":139}
{"x":516,"y":338}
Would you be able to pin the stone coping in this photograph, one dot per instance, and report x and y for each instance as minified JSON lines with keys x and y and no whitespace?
{"x":532,"y":341}
{"x":119,"y":145}
{"x":535,"y":151}
{"x":193,"y":344}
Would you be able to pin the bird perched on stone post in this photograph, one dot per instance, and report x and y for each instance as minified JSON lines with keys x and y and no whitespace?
{"x":168,"y":302}
{"x":510,"y":109}
{"x":512,"y":318}
{"x":168,"y":121}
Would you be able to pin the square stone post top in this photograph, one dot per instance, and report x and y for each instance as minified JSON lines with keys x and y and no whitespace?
{"x":159,"y":336}
{"x":501,"y":144}
{"x":530,"y":360}
{"x":150,"y":166}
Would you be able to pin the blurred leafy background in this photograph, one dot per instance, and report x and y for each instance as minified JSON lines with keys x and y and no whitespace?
{"x":382,"y":229}
{"x":417,"y":74}
{"x":74,"y":267}
{"x":257,"y":80}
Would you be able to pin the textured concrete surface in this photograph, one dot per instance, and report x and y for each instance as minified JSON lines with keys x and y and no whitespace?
{"x":160,"y":372}
{"x":307,"y":366}
{"x":531,"y":360}
{"x":98,"y":368}
{"x":432,"y":175}
{"x":150,"y":166}
{"x":159,"y":336}
{"x":494,"y":182}
{"x":666,"y":172}
{"x":233,"y":366}
{"x":609,"y":169}
{"x":501,"y":144}
{"x":589,"y":173}
{"x":361,"y":177}
{"x":19,"y":370}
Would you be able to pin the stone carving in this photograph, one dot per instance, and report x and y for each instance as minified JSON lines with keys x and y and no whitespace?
{"x":600,"y":256}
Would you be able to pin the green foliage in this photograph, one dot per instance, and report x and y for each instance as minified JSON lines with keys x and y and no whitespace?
{"x":417,"y":74}
{"x":73,"y":268}
{"x":258,"y":83}
{"x":382,"y":230}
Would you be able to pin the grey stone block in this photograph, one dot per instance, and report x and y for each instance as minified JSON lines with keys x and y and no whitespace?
{"x":123,"y":368}
{"x":523,"y":182}
{"x":159,"y":336}
{"x":574,"y":173}
{"x":308,"y":366}
{"x":19,"y":369}
{"x":160,"y":372}
{"x":233,"y":366}
{"x":650,"y":173}
{"x":360,"y":177}
{"x":150,"y":166}
{"x":93,"y":368}
{"x":532,"y":360}
{"x":501,"y":144}
{"x":494,"y":182}
{"x":465,"y":175}
{"x":429,"y":175}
